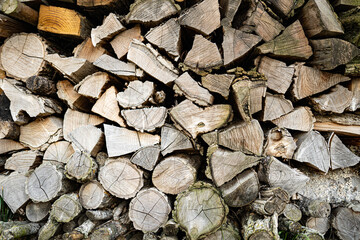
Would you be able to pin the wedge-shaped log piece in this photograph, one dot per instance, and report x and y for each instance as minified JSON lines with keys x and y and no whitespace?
{"x":122,"y":41}
{"x":340,"y":155}
{"x":301,"y":119}
{"x":337,"y":100}
{"x":76,"y":69}
{"x":280,"y":143}
{"x":146,"y":157}
{"x":149,"y":210}
{"x":225,"y":164}
{"x":200,"y":210}
{"x":136,"y":94}
{"x":93,"y":85}
{"x":152,"y":62}
{"x":290,"y":44}
{"x":121,"y":178}
{"x":63,"y":21}
{"x":13,"y":191}
{"x":196,"y":120}
{"x":145,"y":119}
{"x":204,"y":55}
{"x":309,"y":81}
{"x":37,"y":212}
{"x":60,"y":151}
{"x":332,"y":52}
{"x":107,"y":106}
{"x":354,"y":87}
{"x":247,"y":137}
{"x":87,"y":138}
{"x":10,"y":26}
{"x":23,"y":161}
{"x":218,"y":83}
{"x":87,"y":51}
{"x":209,"y":20}
{"x":93,"y":196}
{"x":127,"y":71}
{"x":166,"y":175}
{"x":283,"y":7}
{"x":186,"y":85}
{"x":121,"y":141}
{"x":346,"y":222}
{"x":279,"y":76}
{"x":110,"y":27}
{"x":276,"y":106}
{"x":76,"y":101}
{"x":173,"y":139}
{"x":9,"y":129}
{"x":66,"y":208}
{"x":81,"y":166}
{"x":319,"y":20}
{"x":167,"y":37}
{"x":8,"y":145}
{"x":41,"y":85}
{"x":237,"y":44}
{"x":228,"y":9}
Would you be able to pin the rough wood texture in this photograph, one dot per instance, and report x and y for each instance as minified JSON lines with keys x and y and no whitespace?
{"x":355,"y":89}
{"x":136,"y":94}
{"x":315,"y":208}
{"x":23,"y":161}
{"x":66,"y":208}
{"x":122,"y":41}
{"x":301,"y":119}
{"x":228,"y":9}
{"x":173,"y":139}
{"x":255,"y":227}
{"x":337,"y":100}
{"x":271,"y":201}
{"x":290,"y":44}
{"x":9,"y":129}
{"x":149,"y":210}
{"x":81,"y":167}
{"x":41,"y":85}
{"x":10,"y":26}
{"x":351,"y":23}
{"x":110,"y":27}
{"x":121,"y":178}
{"x":146,"y":157}
{"x":321,"y":225}
{"x":292,"y":212}
{"x":227,"y":231}
{"x":218,"y":83}
{"x":8,"y":145}
{"x":93,"y":196}
{"x":209,"y":20}
{"x":326,"y":126}
{"x":196,"y":120}
{"x":93,"y":141}
{"x":100,"y":214}
{"x":19,"y":10}
{"x":112,"y":229}
{"x":37,"y":212}
{"x":347,"y":223}
{"x":87,"y":51}
{"x":279,"y":143}
{"x":13,"y":191}
{"x":76,"y":101}
{"x":93,"y":85}
{"x":20,"y":230}
{"x":145,"y":119}
{"x":340,"y":155}
{"x":276,"y":106}
{"x":282,"y":7}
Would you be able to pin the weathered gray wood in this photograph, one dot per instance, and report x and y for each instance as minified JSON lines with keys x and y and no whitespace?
{"x":340,"y":155}
{"x":279,"y":143}
{"x":20,"y":230}
{"x":173,"y":139}
{"x":227,"y":231}
{"x":301,"y":119}
{"x":355,"y":89}
{"x":110,"y":27}
{"x":276,"y":106}
{"x":228,"y":9}
{"x":66,"y":208}
{"x":347,"y":223}
{"x":93,"y":196}
{"x":81,"y":166}
{"x":37,"y":212}
{"x":255,"y":227}
{"x":146,"y":157}
{"x":136,"y":94}
{"x":315,"y":208}
{"x":283,"y":7}
{"x":112,"y":229}
{"x":91,"y":144}
{"x":145,"y":119}
{"x":23,"y":161}
{"x":99,"y":214}
{"x":48,"y":230}
{"x":60,"y":151}
{"x":271,"y":201}
{"x":337,"y":100}
{"x":82,"y":231}
{"x":292,"y":212}
{"x":218,"y":83}
{"x":13,"y":191}
{"x":322,"y":225}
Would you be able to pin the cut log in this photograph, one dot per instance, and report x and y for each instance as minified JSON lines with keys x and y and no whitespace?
{"x":13,"y":191}
{"x":108,"y":107}
{"x":66,"y":208}
{"x":41,"y":85}
{"x":322,"y":225}
{"x":279,"y":76}
{"x":276,"y":106}
{"x":146,"y":157}
{"x":246,"y":137}
{"x":151,"y":12}
{"x":218,"y":83}
{"x":309,"y":81}
{"x":346,"y":222}
{"x":76,"y":69}
{"x":10,"y":26}
{"x":99,"y":215}
{"x":337,"y":100}
{"x":282,"y":7}
{"x":82,"y":231}
{"x":255,"y":227}
{"x":122,"y":41}
{"x":186,"y":85}
{"x":110,"y":27}
{"x":58,"y":152}
{"x":90,"y":144}
{"x":292,"y":212}
{"x":149,"y":210}
{"x":166,"y":175}
{"x":66,"y":92}
{"x":271,"y":201}
{"x":93,"y":196}
{"x":241,"y":190}
{"x":19,"y":10}
{"x":227,"y":231}
{"x":200,"y":210}
{"x":301,"y":119}
{"x":145,"y":119}
{"x":173,"y":139}
{"x":315,"y":208}
{"x":93,"y":85}
{"x":37,"y":212}
{"x":355,"y":89}
{"x":319,"y":20}
{"x":290,"y":179}
{"x":20,"y":230}
{"x":63,"y":21}
{"x":203,"y":56}
{"x":121,"y":178}
{"x":48,"y":230}
{"x":40,"y":133}
{"x":81,"y":167}
{"x":290,"y":44}
{"x":8,"y":145}
{"x":225,"y":164}
{"x":136,"y":94}
{"x":196,"y":120}
{"x":87,"y":51}
{"x":23,"y":161}
{"x":280,"y":143}
{"x":111,"y":229}
{"x":152,"y":62}
{"x":33,"y":51}
{"x":121,"y":141}
{"x":167,"y":37}
{"x":340,"y":155}
{"x":228,"y":10}
{"x":351,"y":23}
{"x":9,"y":129}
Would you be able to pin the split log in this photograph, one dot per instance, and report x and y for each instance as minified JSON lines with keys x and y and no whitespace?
{"x":110,"y":27}
{"x":167,"y":37}
{"x":136,"y":94}
{"x":152,"y":62}
{"x":309,"y":81}
{"x":10,"y":26}
{"x":166,"y":175}
{"x":319,"y":20}
{"x":322,"y":225}
{"x":8,"y":145}
{"x":66,"y":208}
{"x":255,"y":227}
{"x":121,"y":42}
{"x":99,"y":215}
{"x":246,"y":137}
{"x":242,"y":189}
{"x":47,"y":231}
{"x":312,"y":149}
{"x":93,"y":85}
{"x":121,"y":178}
{"x":20,"y":230}
{"x":37,"y":212}
{"x":200,"y":210}
{"x":13,"y":191}
{"x":93,"y":196}
{"x":76,"y":101}
{"x":351,"y":23}
{"x":111,"y":229}
{"x":290,"y":179}
{"x":81,"y":167}
{"x":340,"y":155}
{"x":40,"y":133}
{"x":145,"y":119}
{"x":151,"y":12}
{"x":33,"y":51}
{"x":149,"y":210}
{"x":107,"y":106}
{"x":41,"y":85}
{"x":186,"y":85}
{"x":87,"y":51}
{"x":218,"y":83}
{"x":282,"y":7}
{"x":354,"y":87}
{"x":90,"y":144}
{"x":291,"y":44}
{"x":279,"y":76}
{"x":19,"y":10}
{"x":23,"y":161}
{"x":315,"y":208}
{"x":346,"y":222}
{"x":301,"y":119}
{"x":82,"y":231}
{"x":146,"y":157}
{"x":276,"y":106}
{"x":228,"y":10}
{"x":210,"y":17}
{"x":173,"y":139}
{"x":9,"y":130}
{"x":279,"y":143}
{"x":60,"y":151}
{"x":63,"y":21}
{"x":196,"y":120}
{"x":121,"y":141}
{"x":337,"y":100}
{"x":292,"y":212}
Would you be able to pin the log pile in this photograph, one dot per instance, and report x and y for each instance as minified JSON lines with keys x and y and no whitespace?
{"x":163,"y":119}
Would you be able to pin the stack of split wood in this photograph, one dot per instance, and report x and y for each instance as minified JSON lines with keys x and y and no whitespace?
{"x":156,"y":119}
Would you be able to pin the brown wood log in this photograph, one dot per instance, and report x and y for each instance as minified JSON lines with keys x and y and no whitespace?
{"x":94,"y":85}
{"x":41,"y":85}
{"x":146,"y":157}
{"x":276,"y":106}
{"x":218,"y":83}
{"x":13,"y":191}
{"x":145,"y":119}
{"x":20,"y":10}
{"x":37,"y":212}
{"x":346,"y":222}
{"x":315,"y":208}
{"x":76,"y":101}
{"x":279,"y":143}
{"x":81,"y":167}
{"x":23,"y":161}
{"x":340,"y":155}
{"x":337,"y":100}
{"x":173,"y":139}
{"x":110,"y":27}
{"x":301,"y":119}
{"x":282,"y":7}
{"x":121,"y":42}
{"x":10,"y":26}
{"x":354,"y":87}
{"x":87,"y":51}
{"x":66,"y":208}
{"x":8,"y":145}
{"x":93,"y":196}
{"x":9,"y":129}
{"x":228,"y":10}
{"x":322,"y":225}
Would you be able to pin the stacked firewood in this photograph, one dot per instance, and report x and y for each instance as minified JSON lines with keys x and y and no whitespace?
{"x":158,"y":119}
